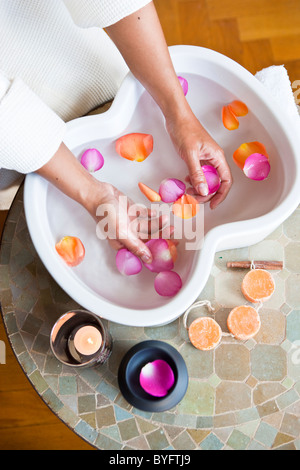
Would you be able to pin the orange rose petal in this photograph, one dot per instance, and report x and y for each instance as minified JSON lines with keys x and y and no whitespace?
{"x":243,"y":322}
{"x":135,"y":147}
{"x":247,"y":149}
{"x":205,"y":333}
{"x":258,"y":285}
{"x":173,"y":250}
{"x":150,"y":194}
{"x":185,"y":207}
{"x":229,"y":119}
{"x":71,"y":250}
{"x":238,"y":108}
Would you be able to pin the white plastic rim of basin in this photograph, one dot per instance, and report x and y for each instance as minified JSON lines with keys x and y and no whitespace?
{"x":251,"y":211}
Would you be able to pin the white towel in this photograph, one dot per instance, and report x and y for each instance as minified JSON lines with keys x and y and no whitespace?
{"x":277,"y":81}
{"x":274,"y":78}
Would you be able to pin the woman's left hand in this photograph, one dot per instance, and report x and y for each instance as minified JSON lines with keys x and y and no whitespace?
{"x":195,"y":146}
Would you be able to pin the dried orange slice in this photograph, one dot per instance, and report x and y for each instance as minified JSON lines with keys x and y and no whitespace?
{"x":258,"y":285}
{"x":205,"y":333}
{"x":243,"y":322}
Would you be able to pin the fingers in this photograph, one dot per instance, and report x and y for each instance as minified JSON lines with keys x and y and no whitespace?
{"x":197,"y":177}
{"x":138,"y":248}
{"x":150,"y":226}
{"x":221,"y":165}
{"x":223,"y":169}
{"x":138,"y":232}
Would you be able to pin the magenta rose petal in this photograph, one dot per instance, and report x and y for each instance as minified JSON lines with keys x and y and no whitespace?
{"x":92,"y":160}
{"x":184,"y":84}
{"x":161,"y":256}
{"x":171,"y":189}
{"x":257,"y":167}
{"x":157,"y":378}
{"x":212,"y":178}
{"x":127,"y":263}
{"x":167,"y":283}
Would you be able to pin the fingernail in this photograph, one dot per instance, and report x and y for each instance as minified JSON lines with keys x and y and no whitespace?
{"x":146,"y":258}
{"x":202,"y":189}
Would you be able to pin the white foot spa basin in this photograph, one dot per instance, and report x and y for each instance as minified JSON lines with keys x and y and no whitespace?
{"x":252,"y":210}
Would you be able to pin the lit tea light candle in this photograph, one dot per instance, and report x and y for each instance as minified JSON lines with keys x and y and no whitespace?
{"x":87,"y":340}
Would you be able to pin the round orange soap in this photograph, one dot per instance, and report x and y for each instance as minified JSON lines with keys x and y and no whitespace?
{"x":243,"y":322}
{"x":205,"y":333}
{"x":258,"y":285}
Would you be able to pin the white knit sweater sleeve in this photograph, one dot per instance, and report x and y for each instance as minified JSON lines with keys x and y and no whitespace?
{"x":30,"y":132}
{"x":102,"y":13}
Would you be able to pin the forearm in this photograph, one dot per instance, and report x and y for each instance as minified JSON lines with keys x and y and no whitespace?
{"x":140,"y":39}
{"x":66,"y":173}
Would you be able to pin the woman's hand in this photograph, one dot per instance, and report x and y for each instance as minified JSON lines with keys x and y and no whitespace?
{"x":195,"y":146}
{"x":129,"y":225}
{"x":124,"y":223}
{"x":140,"y":32}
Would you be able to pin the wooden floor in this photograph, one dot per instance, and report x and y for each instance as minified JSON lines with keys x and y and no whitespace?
{"x":255,"y":33}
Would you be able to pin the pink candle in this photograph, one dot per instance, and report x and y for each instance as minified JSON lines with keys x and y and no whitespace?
{"x":87,"y":340}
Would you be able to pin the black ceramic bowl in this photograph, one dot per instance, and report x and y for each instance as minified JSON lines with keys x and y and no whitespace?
{"x":129,"y":371}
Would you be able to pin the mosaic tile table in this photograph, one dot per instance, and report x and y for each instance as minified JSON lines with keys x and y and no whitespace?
{"x":243,"y":395}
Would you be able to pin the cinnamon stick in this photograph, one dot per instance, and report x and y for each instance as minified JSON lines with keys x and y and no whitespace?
{"x":271,"y":265}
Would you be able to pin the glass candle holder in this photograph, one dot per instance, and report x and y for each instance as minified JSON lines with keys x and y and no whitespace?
{"x":80,"y":339}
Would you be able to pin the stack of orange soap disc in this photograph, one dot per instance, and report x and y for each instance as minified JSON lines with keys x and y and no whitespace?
{"x":258,"y":285}
{"x":243,"y":322}
{"x":205,"y":333}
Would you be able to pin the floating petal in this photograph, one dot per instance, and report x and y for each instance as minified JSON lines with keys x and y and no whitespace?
{"x":71,"y":250}
{"x":173,"y":250}
{"x":171,"y":189}
{"x":150,"y":194}
{"x":136,"y":147}
{"x":184,"y":84}
{"x":238,"y":108}
{"x":186,"y":207}
{"x":257,"y":167}
{"x":92,"y":160}
{"x":161,"y":256}
{"x":247,"y":149}
{"x":167,"y":283}
{"x":212,"y":178}
{"x":127,"y":263}
{"x":229,"y":119}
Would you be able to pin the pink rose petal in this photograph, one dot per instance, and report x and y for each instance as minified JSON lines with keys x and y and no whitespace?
{"x":92,"y":160}
{"x":167,"y":283}
{"x":184,"y":84}
{"x":127,"y":263}
{"x":161,"y":256}
{"x":156,"y":378}
{"x":171,"y":189}
{"x":257,"y":167}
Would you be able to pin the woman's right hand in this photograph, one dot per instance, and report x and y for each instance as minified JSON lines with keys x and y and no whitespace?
{"x":124,"y":223}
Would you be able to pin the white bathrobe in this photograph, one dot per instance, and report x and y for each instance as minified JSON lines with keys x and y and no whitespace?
{"x":56,"y":64}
